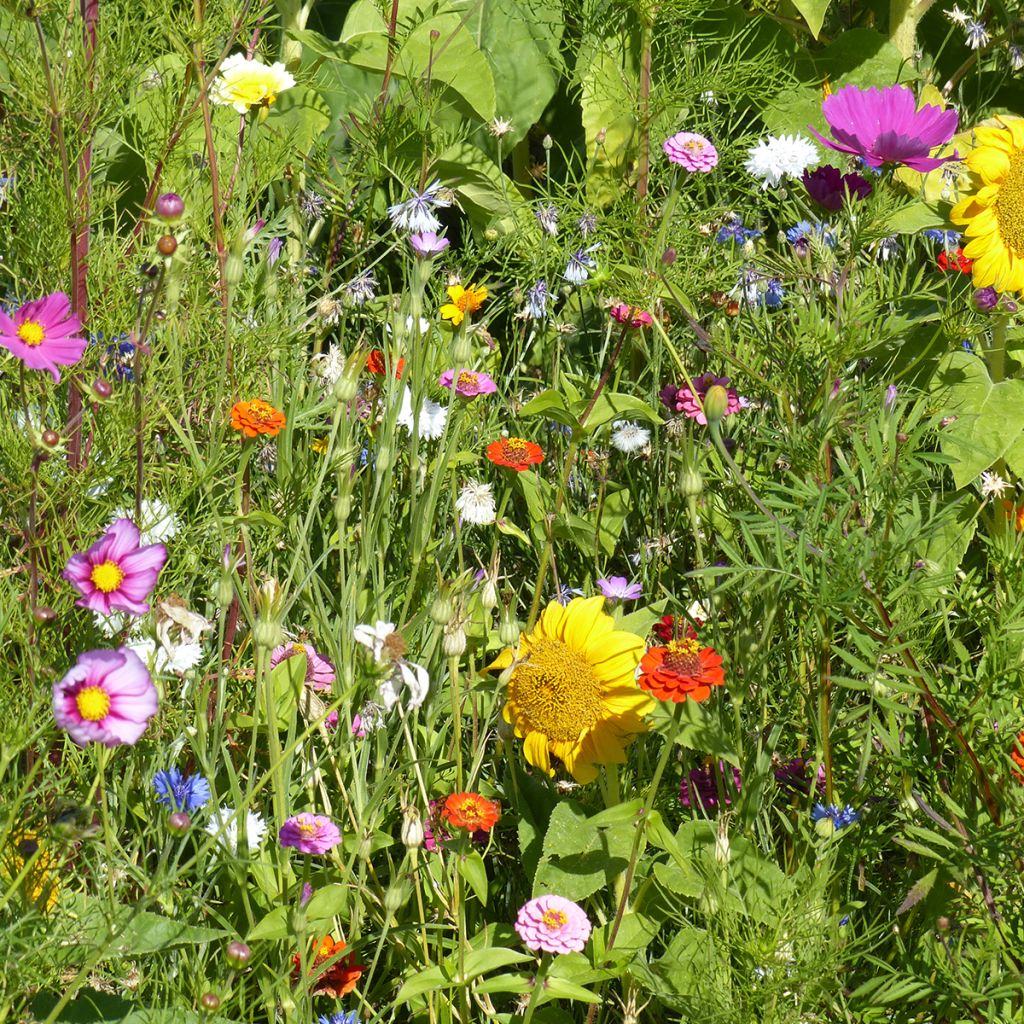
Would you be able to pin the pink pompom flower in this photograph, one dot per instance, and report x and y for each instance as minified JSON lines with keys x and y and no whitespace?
{"x":691,"y":152}
{"x":553,"y":924}
{"x":43,"y":334}
{"x":468,"y":383}
{"x":106,"y":697}
{"x":309,"y":833}
{"x":691,"y":403}
{"x":116,"y":574}
{"x":319,"y":671}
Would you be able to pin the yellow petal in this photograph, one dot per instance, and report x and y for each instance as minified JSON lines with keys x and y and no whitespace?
{"x":585,"y":620}
{"x":978,"y":247}
{"x":604,"y":747}
{"x":535,"y":750}
{"x":1000,"y":138}
{"x":549,"y":625}
{"x":986,"y":269}
{"x":1016,"y":128}
{"x":982,"y":224}
{"x":502,"y":661}
{"x":991,"y":163}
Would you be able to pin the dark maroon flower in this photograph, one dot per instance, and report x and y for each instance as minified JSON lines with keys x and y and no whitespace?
{"x":828,"y":186}
{"x":700,"y":788}
{"x":795,"y":776}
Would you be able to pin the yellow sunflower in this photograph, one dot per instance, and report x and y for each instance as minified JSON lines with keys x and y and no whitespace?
{"x":572,"y":692}
{"x":993,"y":217}
{"x":464,"y":301}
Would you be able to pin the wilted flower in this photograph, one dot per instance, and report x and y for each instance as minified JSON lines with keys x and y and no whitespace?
{"x":362,"y":288}
{"x":700,"y":788}
{"x":993,"y":485}
{"x":587,"y":224}
{"x":499,"y":127}
{"x":630,"y":316}
{"x":630,"y":437}
{"x":537,"y":301}
{"x":547,"y":218}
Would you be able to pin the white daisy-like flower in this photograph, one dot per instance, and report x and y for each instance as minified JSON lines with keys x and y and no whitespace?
{"x":977,"y":34}
{"x":116,"y":622}
{"x":374,"y":636}
{"x":158,"y":522}
{"x":475,"y":503}
{"x":993,"y":485}
{"x":955,"y":15}
{"x":223,"y":825}
{"x":776,"y":157}
{"x":432,"y":417}
{"x":160,"y":660}
{"x":329,"y":366}
{"x":499,"y":127}
{"x":630,"y":437}
{"x":408,"y":679}
{"x":246,"y":82}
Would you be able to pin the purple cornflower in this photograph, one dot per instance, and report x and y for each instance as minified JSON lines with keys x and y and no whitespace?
{"x":565,"y":594}
{"x":180,"y":792}
{"x":618,"y":588}
{"x":580,"y":264}
{"x":949,"y":239}
{"x":699,"y":788}
{"x":417,"y":213}
{"x":734,"y":231}
{"x":537,"y":301}
{"x":427,"y":244}
{"x":890,"y":397}
{"x":547,"y":218}
{"x":274,"y":247}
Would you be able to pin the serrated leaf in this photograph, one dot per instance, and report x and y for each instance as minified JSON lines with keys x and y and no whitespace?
{"x":918,"y":891}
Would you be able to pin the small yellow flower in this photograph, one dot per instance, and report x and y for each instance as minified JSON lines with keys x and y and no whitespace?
{"x":244,"y":83}
{"x":319,"y":445}
{"x":40,"y":883}
{"x":464,"y":302}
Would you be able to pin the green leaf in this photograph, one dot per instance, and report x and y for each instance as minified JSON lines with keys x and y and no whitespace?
{"x":507,"y":527}
{"x":689,"y":725}
{"x":287,"y":679}
{"x":813,"y":12}
{"x":504,"y":983}
{"x":326,"y":902}
{"x":918,"y":891}
{"x":423,"y":981}
{"x":150,"y":933}
{"x":551,"y":404}
{"x":612,"y":405}
{"x":559,"y":988}
{"x":915,"y":217}
{"x":481,"y":961}
{"x":472,"y":868}
{"x":273,"y":925}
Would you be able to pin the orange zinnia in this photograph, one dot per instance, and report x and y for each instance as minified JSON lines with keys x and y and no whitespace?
{"x":515,"y":453}
{"x":1015,"y":513}
{"x":1017,"y":755}
{"x":681,"y":670}
{"x":257,"y":417}
{"x":471,"y":811}
{"x":336,"y":980}
{"x":375,"y":364}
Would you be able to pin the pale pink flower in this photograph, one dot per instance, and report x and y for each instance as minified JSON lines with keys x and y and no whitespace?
{"x":319,"y":671}
{"x":43,"y":334}
{"x":553,"y":924}
{"x":691,"y":152}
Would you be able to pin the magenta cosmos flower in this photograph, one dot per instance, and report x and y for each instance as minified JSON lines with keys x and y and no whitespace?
{"x":468,"y":383}
{"x":691,"y":152}
{"x":690,"y":403}
{"x":553,"y":924}
{"x":116,"y":574}
{"x":884,"y":126}
{"x":618,"y":588}
{"x":630,"y":316}
{"x":309,"y":833}
{"x":828,"y":186}
{"x":42,"y":334}
{"x":106,"y":697}
{"x":319,"y":671}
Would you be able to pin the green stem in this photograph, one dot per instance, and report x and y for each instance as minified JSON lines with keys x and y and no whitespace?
{"x":538,"y":988}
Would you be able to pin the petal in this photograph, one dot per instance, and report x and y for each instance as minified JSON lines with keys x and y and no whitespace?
{"x":992,"y":164}
{"x":584,"y":621}
{"x":535,"y":750}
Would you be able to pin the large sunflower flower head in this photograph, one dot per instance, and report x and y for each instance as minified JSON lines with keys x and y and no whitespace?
{"x":993,"y":215}
{"x":572,"y":691}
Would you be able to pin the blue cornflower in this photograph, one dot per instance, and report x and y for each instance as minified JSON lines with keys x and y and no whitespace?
{"x":362,"y":288}
{"x":122,"y":354}
{"x":805,"y":231}
{"x":565,"y":594}
{"x":349,"y":1017}
{"x":587,"y":224}
{"x":839,"y":816}
{"x":734,"y":231}
{"x":547,"y":218}
{"x":537,"y":301}
{"x":773,"y":294}
{"x":580,"y":264}
{"x":949,"y":239}
{"x":180,"y":792}
{"x":416,"y":214}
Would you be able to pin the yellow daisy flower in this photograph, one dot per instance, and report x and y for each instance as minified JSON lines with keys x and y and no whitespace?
{"x":993,"y":217}
{"x":572,"y":692}
{"x":40,"y":883}
{"x":464,"y":301}
{"x":248,"y":82}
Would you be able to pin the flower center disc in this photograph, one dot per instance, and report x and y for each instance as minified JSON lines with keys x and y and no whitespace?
{"x":106,"y":576}
{"x":554,"y":919}
{"x":515,"y":448}
{"x":556,"y":690}
{"x":93,"y":703}
{"x":1010,"y":206}
{"x":467,"y":380}
{"x":683,"y":657}
{"x":31,"y":333}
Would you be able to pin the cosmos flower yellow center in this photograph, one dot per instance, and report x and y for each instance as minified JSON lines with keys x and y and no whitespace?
{"x":93,"y":703}
{"x":107,"y":576}
{"x":554,"y":919}
{"x":1010,"y":205}
{"x":682,"y":655}
{"x":556,"y":690}
{"x":31,"y":333}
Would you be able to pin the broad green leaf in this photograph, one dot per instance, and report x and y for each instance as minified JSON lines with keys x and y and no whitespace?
{"x":915,"y":217}
{"x":481,"y":961}
{"x":551,"y":404}
{"x":813,"y":12}
{"x":150,"y":933}
{"x":472,"y":869}
{"x":273,"y":925}
{"x":695,"y":728}
{"x":559,"y":988}
{"x":286,"y":681}
{"x":424,"y":981}
{"x":612,"y":405}
{"x":504,"y":983}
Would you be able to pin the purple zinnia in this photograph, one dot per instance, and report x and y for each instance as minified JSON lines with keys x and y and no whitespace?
{"x":618,"y":588}
{"x":691,"y":403}
{"x":468,"y":383}
{"x":700,"y":787}
{"x":828,"y":186}
{"x":43,"y":334}
{"x":884,"y":126}
{"x":793,"y":776}
{"x":309,"y":833}
{"x":427,"y":243}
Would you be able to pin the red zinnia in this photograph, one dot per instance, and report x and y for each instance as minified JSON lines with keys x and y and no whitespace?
{"x":515,"y":453}
{"x":471,"y":811}
{"x":335,"y":980}
{"x":375,"y":364}
{"x":665,"y":628}
{"x":681,"y":670}
{"x":954,"y":261}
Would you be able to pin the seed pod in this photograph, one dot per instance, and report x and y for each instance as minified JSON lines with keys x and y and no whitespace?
{"x":167,"y":246}
{"x":238,"y":954}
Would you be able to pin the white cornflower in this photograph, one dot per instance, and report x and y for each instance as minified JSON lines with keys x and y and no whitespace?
{"x":405,"y":676}
{"x":955,"y":15}
{"x":374,"y":636}
{"x":431,"y":417}
{"x":223,"y":825}
{"x":775,"y":157}
{"x":329,"y":366}
{"x":416,"y":214}
{"x":1016,"y":56}
{"x":630,"y":437}
{"x":547,"y":218}
{"x":362,"y":288}
{"x":499,"y":127}
{"x":887,"y":247}
{"x":580,"y":264}
{"x":993,"y":485}
{"x":328,"y":309}
{"x":977,"y":35}
{"x":157,"y":524}
{"x":475,"y":503}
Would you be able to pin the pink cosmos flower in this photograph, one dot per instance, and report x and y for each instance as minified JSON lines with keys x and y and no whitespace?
{"x":116,"y":574}
{"x":106,"y":697}
{"x":553,"y":924}
{"x":319,"y":671}
{"x":42,"y":334}
{"x":309,"y":833}
{"x":884,"y":126}
{"x":690,"y":403}
{"x":691,"y":152}
{"x":427,"y":243}
{"x":618,"y":588}
{"x":631,"y":315}
{"x":468,"y":383}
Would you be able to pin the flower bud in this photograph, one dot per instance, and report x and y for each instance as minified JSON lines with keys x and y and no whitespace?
{"x":489,"y":593}
{"x":395,"y":898}
{"x":454,"y":640}
{"x":462,"y":350}
{"x":225,"y":590}
{"x":238,"y":954}
{"x":691,"y":483}
{"x":102,"y":388}
{"x":270,"y":612}
{"x":167,"y":245}
{"x":668,"y":257}
{"x":44,"y":615}
{"x":346,"y":387}
{"x":509,"y":629}
{"x":51,"y":438}
{"x":233,"y":268}
{"x":170,"y":206}
{"x":716,"y":403}
{"x":179,"y":823}
{"x":342,"y":508}
{"x":383,"y":458}
{"x":267,"y":633}
{"x":442,"y":608}
{"x":412,"y":829}
{"x":210,"y":1002}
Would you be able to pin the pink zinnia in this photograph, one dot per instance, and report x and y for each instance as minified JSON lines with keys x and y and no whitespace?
{"x":319,"y":671}
{"x":630,"y":315}
{"x":106,"y":697}
{"x":468,"y":383}
{"x":553,"y":924}
{"x":115,"y":574}
{"x":884,"y":126}
{"x":691,"y":403}
{"x":309,"y":833}
{"x":691,"y":152}
{"x":42,"y":334}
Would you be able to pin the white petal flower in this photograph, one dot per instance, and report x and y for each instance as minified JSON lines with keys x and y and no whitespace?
{"x":374,"y":636}
{"x":774,"y":158}
{"x":158,"y":522}
{"x":432,"y":417}
{"x":223,"y":824}
{"x":411,"y":678}
{"x":243,"y":83}
{"x":957,"y":16}
{"x":329,"y":366}
{"x":630,"y":437}
{"x":475,"y":503}
{"x":993,"y":485}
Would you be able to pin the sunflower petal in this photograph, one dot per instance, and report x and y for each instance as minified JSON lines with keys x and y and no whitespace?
{"x":991,"y":163}
{"x":585,"y":620}
{"x":535,"y":749}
